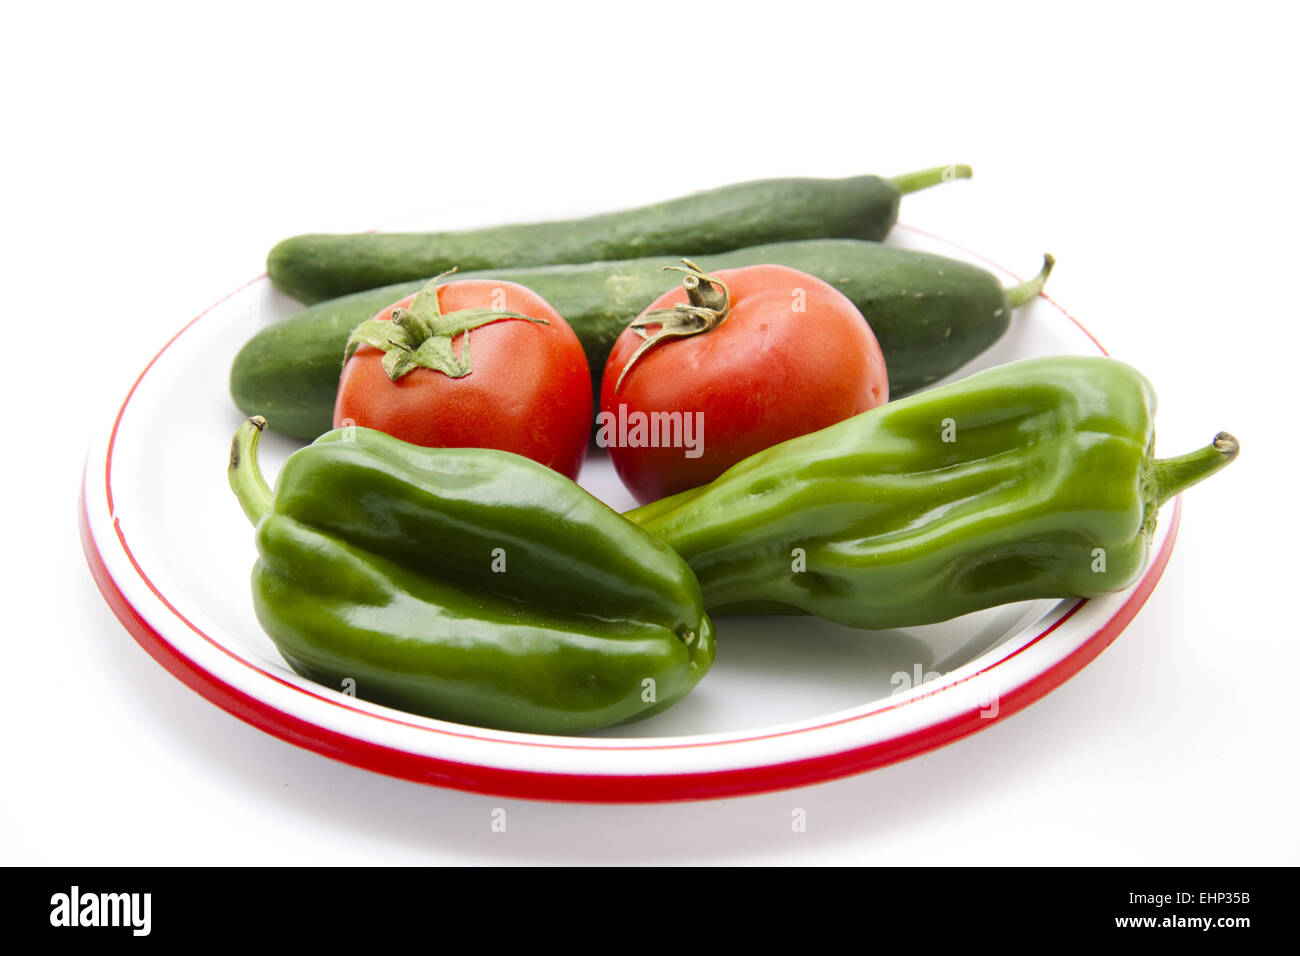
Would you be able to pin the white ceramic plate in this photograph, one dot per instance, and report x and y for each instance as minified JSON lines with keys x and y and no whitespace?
{"x":789,"y":701}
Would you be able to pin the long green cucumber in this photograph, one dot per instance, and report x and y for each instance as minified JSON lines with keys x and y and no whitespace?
{"x":930,"y":314}
{"x":312,"y":268}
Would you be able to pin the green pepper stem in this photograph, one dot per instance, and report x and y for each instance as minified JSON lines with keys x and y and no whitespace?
{"x":1028,"y":290}
{"x":925,"y":178}
{"x":1174,"y":475}
{"x":246,"y":479}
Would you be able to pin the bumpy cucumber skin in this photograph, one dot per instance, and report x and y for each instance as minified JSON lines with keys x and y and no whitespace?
{"x":313,"y":268}
{"x":930,"y":314}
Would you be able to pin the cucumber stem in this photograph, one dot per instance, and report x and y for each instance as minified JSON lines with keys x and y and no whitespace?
{"x":1174,"y":475}
{"x":925,"y":178}
{"x":245,"y":476}
{"x":1028,"y":290}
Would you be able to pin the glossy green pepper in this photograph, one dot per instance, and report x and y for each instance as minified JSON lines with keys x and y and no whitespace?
{"x":1031,"y":480}
{"x":466,"y":584}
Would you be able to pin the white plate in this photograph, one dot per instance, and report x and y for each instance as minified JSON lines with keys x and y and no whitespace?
{"x":789,"y":701}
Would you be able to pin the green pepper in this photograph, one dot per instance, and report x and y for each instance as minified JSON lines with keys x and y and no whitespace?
{"x":467,"y":584}
{"x":1031,"y":480}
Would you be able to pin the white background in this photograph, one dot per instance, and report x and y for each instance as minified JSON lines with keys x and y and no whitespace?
{"x":153,"y":154}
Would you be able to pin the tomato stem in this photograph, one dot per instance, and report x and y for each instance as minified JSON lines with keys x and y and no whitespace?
{"x":703,"y":291}
{"x":708,"y":305}
{"x":420,"y":336}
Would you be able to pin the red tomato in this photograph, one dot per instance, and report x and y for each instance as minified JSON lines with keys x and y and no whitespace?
{"x":794,"y":355}
{"x":528,"y":391}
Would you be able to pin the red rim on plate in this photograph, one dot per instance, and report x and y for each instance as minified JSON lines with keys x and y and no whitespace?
{"x":589,"y":787}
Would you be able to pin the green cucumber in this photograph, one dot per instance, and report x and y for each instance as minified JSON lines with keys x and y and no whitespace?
{"x":930,"y":314}
{"x":316,"y":267}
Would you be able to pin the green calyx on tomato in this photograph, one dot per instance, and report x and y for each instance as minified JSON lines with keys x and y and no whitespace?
{"x":708,"y":305}
{"x":530,"y":391}
{"x":420,"y":336}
